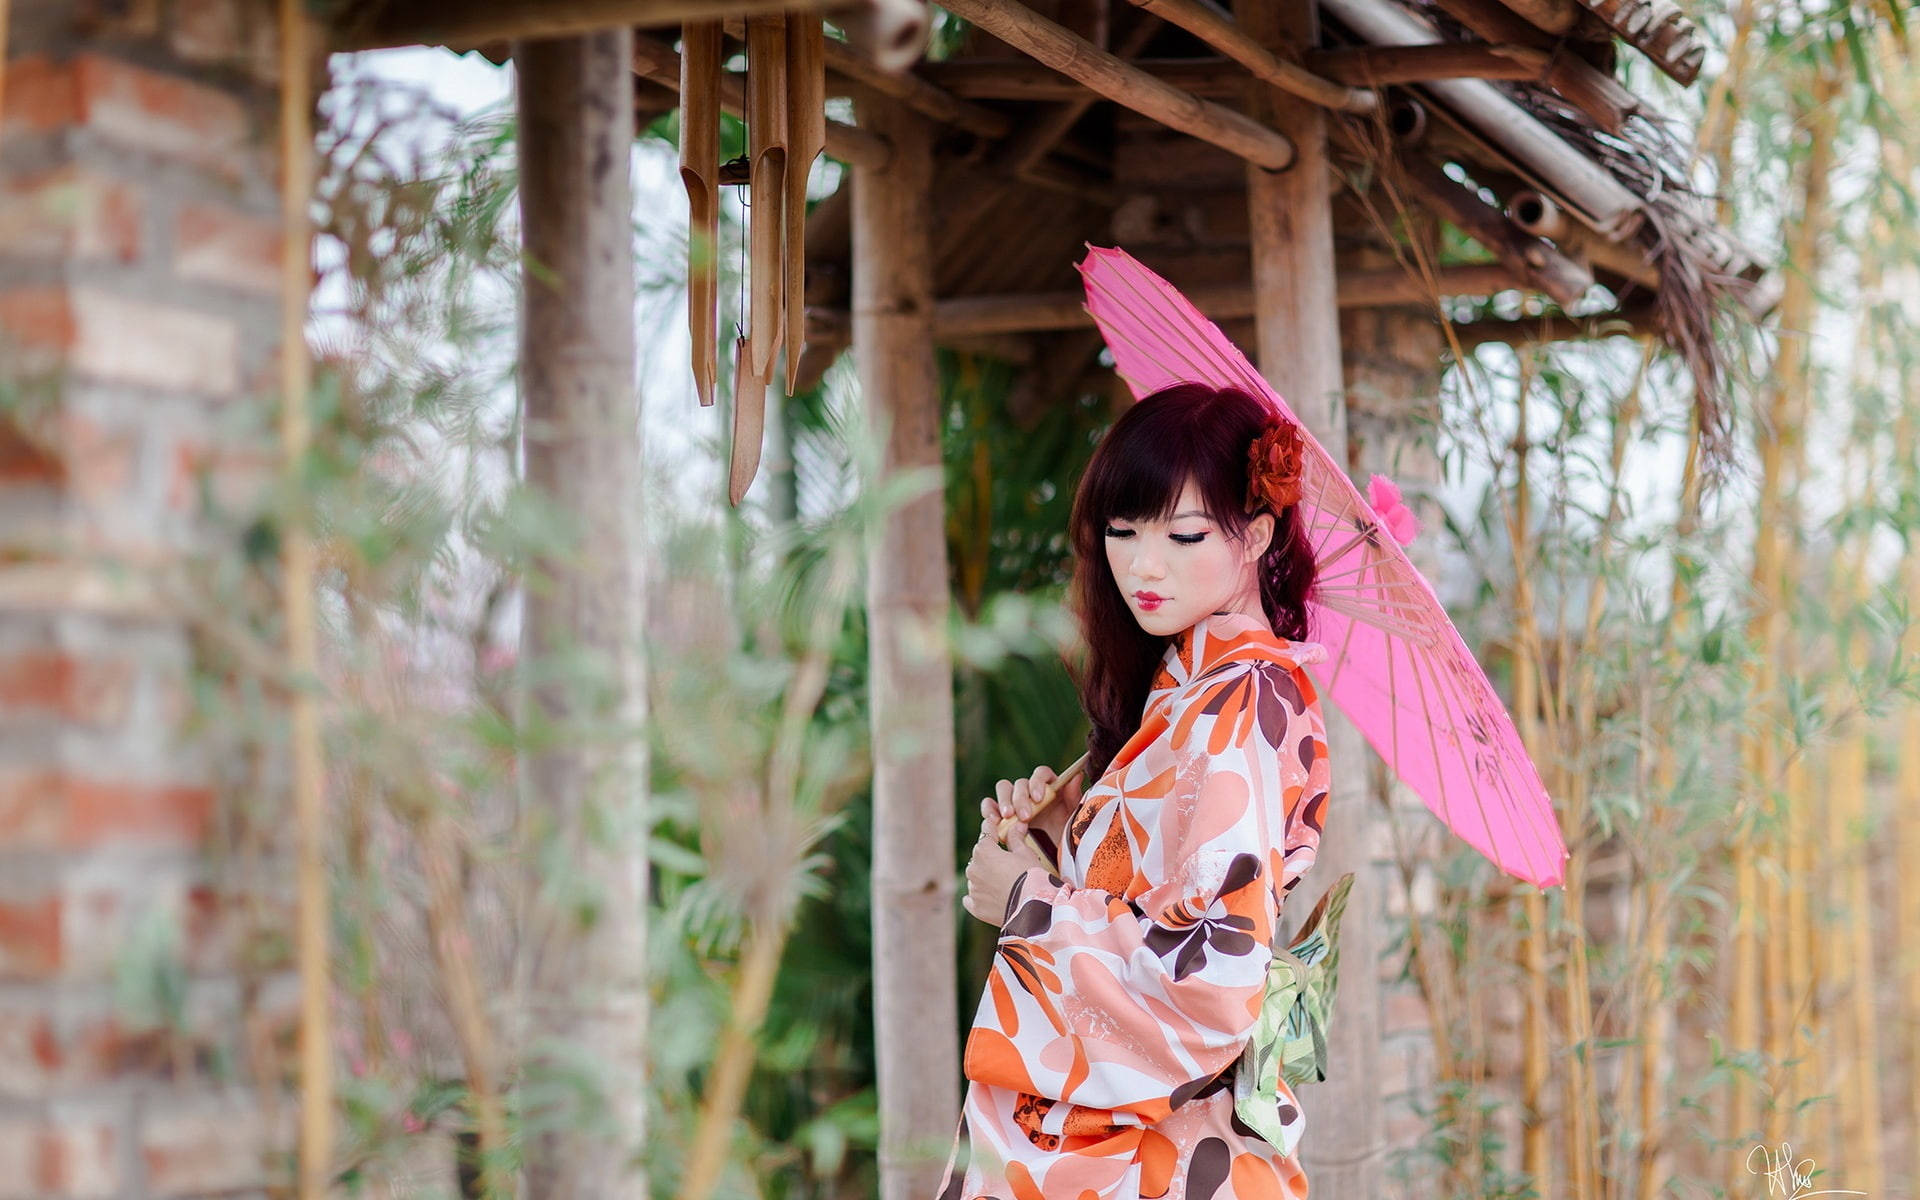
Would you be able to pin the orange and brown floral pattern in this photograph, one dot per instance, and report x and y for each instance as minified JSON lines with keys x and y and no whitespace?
{"x":1127,"y":980}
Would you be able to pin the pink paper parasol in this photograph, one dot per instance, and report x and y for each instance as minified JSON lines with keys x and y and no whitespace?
{"x":1396,"y":665}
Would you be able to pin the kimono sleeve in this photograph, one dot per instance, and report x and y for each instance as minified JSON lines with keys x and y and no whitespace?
{"x":1136,"y":1006}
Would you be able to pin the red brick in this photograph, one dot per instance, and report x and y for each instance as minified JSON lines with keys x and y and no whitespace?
{"x":237,"y":475}
{"x":116,"y":339}
{"x":217,"y":245}
{"x":25,"y":457}
{"x":193,"y":1150}
{"x":55,"y":810}
{"x":30,"y":938}
{"x":29,"y":1051}
{"x":141,"y":109}
{"x":59,"y":683}
{"x":71,"y":212}
{"x":57,"y":1158}
{"x":100,"y":813}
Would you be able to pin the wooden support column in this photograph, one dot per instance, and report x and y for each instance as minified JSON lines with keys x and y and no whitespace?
{"x":914,"y":898}
{"x":583,"y":801}
{"x":1297,"y":334}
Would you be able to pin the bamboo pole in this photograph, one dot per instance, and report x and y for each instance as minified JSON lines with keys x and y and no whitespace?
{"x":314,"y":918}
{"x":1655,"y":1004}
{"x":1801,"y":972}
{"x":1535,"y":1161}
{"x":1126,"y":85}
{"x":1213,"y":27}
{"x":1596,"y":196}
{"x":466,"y":1010}
{"x":1906,"y":790}
{"x":1533,"y":259}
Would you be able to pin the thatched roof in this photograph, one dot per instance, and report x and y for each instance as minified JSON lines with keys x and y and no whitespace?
{"x":1068,"y":122}
{"x":1034,"y":165}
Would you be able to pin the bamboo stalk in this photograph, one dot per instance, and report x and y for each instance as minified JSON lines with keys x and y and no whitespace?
{"x":700,"y":68}
{"x":1126,"y":85}
{"x":1536,"y":1162}
{"x":1657,"y":1009}
{"x":1906,"y":791}
{"x":453,"y":954}
{"x":1215,"y":28}
{"x":313,"y":916}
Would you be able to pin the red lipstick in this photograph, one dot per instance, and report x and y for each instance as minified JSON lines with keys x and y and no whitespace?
{"x":1149,"y":600}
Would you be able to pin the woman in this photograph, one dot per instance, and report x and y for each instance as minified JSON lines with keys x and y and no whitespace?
{"x":1130,"y":968}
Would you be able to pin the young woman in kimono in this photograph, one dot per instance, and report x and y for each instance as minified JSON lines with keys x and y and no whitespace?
{"x":1132,"y":961}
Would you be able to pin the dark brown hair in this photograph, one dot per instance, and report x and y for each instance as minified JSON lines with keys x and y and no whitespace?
{"x":1190,"y":431}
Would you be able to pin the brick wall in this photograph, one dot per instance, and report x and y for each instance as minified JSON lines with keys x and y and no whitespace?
{"x":1391,"y":359}
{"x":138,"y":317}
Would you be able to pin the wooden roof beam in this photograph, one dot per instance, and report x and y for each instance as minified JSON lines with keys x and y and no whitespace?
{"x":910,"y":89}
{"x":369,"y":26}
{"x":1021,"y":79}
{"x":1380,"y":66}
{"x":1635,"y":319}
{"x":962,"y":317}
{"x":1596,"y":196}
{"x":1126,"y":85}
{"x":1219,"y":30}
{"x":659,"y":63}
{"x":1537,"y":261}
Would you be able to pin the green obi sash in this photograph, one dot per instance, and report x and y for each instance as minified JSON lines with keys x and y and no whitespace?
{"x":1290,"y":1036}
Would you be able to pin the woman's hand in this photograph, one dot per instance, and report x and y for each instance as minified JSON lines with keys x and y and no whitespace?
{"x":1017,"y":798}
{"x":991,"y":872}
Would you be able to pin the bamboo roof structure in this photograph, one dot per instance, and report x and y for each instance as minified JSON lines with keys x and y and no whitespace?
{"x":1066,"y":122}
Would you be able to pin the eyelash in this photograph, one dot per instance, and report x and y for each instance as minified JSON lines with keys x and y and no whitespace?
{"x":1185,"y":539}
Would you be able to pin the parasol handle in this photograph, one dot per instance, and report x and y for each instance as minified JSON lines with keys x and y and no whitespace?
{"x":1061,"y":780}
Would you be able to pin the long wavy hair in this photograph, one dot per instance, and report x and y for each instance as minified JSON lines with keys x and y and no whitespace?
{"x":1190,"y":431}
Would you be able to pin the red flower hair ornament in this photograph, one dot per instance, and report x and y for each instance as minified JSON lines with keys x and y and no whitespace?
{"x":1273,"y":467}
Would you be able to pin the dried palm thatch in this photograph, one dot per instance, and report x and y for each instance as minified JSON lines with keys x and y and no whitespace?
{"x":1706,"y":277}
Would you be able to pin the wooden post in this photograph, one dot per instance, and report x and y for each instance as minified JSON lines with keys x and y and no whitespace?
{"x":584,"y":803}
{"x":913,"y":803}
{"x":1297,"y":332}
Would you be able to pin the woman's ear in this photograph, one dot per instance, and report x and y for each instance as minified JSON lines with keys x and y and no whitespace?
{"x":1259,"y":536}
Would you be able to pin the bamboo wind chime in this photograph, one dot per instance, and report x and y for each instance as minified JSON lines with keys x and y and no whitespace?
{"x":786,"y":131}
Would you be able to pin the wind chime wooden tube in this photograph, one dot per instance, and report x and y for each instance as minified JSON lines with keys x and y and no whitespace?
{"x":786,"y":131}
{"x":700,"y":59}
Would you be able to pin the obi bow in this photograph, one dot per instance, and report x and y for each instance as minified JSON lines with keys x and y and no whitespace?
{"x":1290,"y":1036}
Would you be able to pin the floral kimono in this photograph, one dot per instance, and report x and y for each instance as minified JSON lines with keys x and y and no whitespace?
{"x":1125,"y":985}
